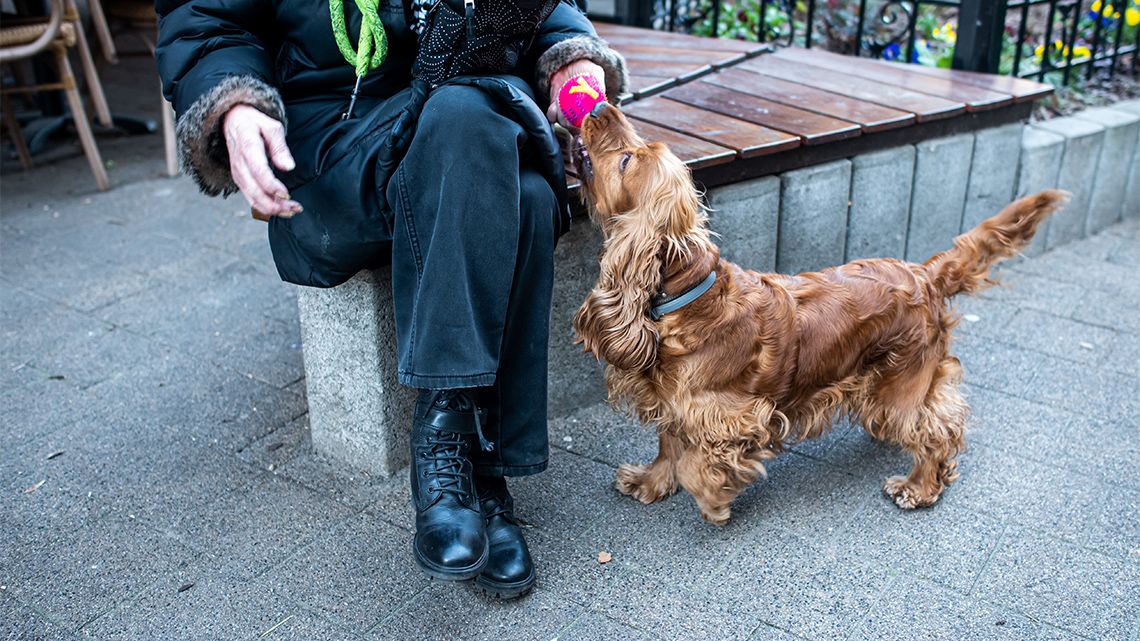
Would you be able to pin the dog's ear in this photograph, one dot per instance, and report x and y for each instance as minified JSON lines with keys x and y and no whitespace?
{"x":613,"y":323}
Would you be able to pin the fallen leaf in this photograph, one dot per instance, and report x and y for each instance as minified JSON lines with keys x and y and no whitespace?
{"x":55,"y":455}
{"x":35,"y":487}
{"x":186,"y":586}
{"x":605,"y":557}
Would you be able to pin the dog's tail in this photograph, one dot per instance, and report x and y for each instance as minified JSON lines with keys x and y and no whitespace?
{"x":966,"y":267}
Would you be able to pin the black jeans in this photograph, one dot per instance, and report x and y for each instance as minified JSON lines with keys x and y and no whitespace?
{"x":471,"y":235}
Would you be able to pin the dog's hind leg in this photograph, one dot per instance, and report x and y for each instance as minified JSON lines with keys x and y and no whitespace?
{"x":653,"y":482}
{"x":934,"y":434}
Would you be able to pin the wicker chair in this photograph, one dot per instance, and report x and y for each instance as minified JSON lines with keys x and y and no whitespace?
{"x":58,"y":32}
{"x":140,"y":18}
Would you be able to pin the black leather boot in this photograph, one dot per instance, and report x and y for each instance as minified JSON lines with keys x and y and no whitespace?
{"x":509,"y":572}
{"x":451,"y":536}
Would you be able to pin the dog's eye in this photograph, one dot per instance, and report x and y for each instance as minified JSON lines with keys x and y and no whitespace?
{"x":624,"y":161}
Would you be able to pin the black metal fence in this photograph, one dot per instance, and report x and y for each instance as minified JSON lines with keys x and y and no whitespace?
{"x":1045,"y":39}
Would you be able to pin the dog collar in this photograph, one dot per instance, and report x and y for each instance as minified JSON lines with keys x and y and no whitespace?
{"x":670,"y":304}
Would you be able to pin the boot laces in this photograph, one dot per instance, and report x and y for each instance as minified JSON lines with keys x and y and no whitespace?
{"x":461,"y":401}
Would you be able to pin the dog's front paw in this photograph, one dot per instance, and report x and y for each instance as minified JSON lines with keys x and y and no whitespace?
{"x":908,"y":495}
{"x":638,"y":481}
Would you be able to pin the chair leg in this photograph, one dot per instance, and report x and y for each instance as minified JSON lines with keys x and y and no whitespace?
{"x":168,"y":138}
{"x":86,"y":138}
{"x":102,"y":31}
{"x":14,"y":130}
{"x":94,"y":86}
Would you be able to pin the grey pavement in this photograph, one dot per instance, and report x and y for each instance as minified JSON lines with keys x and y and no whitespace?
{"x":157,"y":480}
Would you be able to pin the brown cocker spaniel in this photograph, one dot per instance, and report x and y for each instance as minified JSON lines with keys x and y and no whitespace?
{"x":761,"y":361}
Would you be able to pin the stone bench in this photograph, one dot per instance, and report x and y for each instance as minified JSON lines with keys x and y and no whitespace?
{"x":886,"y":194}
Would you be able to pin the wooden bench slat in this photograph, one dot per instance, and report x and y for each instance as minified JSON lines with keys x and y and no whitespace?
{"x":748,"y":139}
{"x":655,"y":55}
{"x":976,"y":98}
{"x":869,"y":116}
{"x":617,"y":35}
{"x":639,"y":84}
{"x":925,"y":107}
{"x":813,"y":128}
{"x":662,"y":70}
{"x":1021,"y":89}
{"x":696,"y":153}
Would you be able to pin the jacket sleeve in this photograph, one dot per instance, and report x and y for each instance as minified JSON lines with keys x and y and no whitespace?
{"x":213,"y":55}
{"x":566,"y":36}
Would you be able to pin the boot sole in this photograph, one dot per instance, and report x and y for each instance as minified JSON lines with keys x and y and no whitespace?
{"x":451,"y":574}
{"x":505,"y":591}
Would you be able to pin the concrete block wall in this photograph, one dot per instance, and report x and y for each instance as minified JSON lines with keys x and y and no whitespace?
{"x":909,"y":201}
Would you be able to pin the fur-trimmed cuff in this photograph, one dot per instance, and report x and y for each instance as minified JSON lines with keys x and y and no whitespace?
{"x":586,"y":47}
{"x":201,"y":144}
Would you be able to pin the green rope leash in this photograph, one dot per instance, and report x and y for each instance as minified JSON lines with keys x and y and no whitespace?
{"x":371,"y":47}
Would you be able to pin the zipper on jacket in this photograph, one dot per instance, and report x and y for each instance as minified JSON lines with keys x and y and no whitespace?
{"x":469,"y":13}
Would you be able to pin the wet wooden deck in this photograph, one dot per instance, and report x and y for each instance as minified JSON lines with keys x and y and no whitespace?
{"x":735,"y":110}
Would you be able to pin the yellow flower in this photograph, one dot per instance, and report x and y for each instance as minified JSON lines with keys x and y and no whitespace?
{"x":1082,"y":51}
{"x":1132,"y":16}
{"x":1039,"y":51}
{"x":1095,"y":6}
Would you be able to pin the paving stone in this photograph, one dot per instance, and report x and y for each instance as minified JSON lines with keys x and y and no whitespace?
{"x":1083,"y":142}
{"x":813,"y":217}
{"x":21,"y":622}
{"x":746,"y":217}
{"x":1100,"y":307}
{"x":448,"y":612}
{"x":678,"y":532}
{"x":1124,"y":354}
{"x":305,"y":626}
{"x":574,"y":378}
{"x":914,"y":609}
{"x":945,"y":543}
{"x":354,"y":575}
{"x":35,"y":329}
{"x":260,"y":523}
{"x":592,"y":627}
{"x":1005,"y":486}
{"x":278,"y":447}
{"x":1115,"y":532}
{"x":192,"y":604}
{"x":993,"y":173}
{"x":1031,"y":291}
{"x":76,"y":575}
{"x":996,"y":365}
{"x":880,"y":203}
{"x":1122,"y":132}
{"x":73,"y":279}
{"x":569,"y":566}
{"x":599,"y":432}
{"x":1026,"y":428}
{"x":983,"y":316}
{"x":941,"y":176}
{"x":353,"y":487}
{"x":796,"y":587}
{"x":40,"y":407}
{"x":1093,"y":392}
{"x":235,"y":323}
{"x":1046,"y":333}
{"x":1071,"y":266}
{"x":568,"y":497}
{"x":673,"y":612}
{"x":1064,"y":585}
{"x":1039,"y":169}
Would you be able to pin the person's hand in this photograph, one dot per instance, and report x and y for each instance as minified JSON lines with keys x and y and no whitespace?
{"x":559,"y":78}
{"x":252,"y":139}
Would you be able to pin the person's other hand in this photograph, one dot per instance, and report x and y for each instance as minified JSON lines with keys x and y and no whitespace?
{"x":252,"y":139}
{"x":559,"y":78}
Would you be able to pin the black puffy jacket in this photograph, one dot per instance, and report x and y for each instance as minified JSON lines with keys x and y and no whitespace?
{"x":281,"y":58}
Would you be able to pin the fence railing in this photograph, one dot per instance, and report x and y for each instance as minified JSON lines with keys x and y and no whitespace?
{"x":1044,"y":39}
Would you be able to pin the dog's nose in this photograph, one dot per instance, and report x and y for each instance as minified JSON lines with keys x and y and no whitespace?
{"x":599,"y":109}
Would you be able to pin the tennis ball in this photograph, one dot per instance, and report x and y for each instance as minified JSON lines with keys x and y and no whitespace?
{"x":578,"y":96}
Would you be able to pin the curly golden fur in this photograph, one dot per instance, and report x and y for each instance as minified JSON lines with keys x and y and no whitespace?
{"x":762,"y":361}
